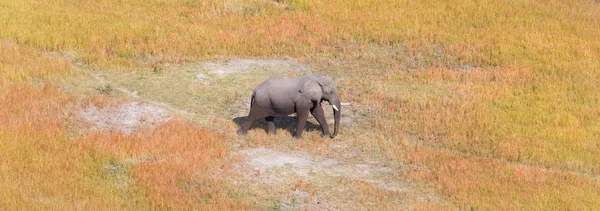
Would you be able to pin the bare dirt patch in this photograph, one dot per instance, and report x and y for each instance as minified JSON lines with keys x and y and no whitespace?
{"x":300,"y":181}
{"x":127,"y":117}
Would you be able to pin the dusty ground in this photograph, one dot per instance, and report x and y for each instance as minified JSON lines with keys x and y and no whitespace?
{"x":127,"y":117}
{"x":324,"y":183}
{"x":284,"y":178}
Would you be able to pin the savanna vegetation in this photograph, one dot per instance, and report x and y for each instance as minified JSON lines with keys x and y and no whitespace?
{"x":496,"y":101}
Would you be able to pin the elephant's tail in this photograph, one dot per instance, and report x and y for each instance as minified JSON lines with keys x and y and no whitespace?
{"x":252,"y":99}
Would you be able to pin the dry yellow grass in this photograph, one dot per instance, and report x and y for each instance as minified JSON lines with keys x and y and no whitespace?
{"x":44,"y":164}
{"x":175,"y":165}
{"x":527,"y":93}
{"x":22,"y":63}
{"x":483,"y":183}
{"x":551,"y":35}
{"x":40,"y":168}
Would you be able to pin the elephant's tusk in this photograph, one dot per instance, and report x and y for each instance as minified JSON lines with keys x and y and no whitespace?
{"x":334,"y":107}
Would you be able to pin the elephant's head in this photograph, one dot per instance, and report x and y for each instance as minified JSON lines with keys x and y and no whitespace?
{"x":322,"y":88}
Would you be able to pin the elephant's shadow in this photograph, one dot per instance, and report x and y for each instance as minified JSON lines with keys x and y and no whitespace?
{"x":288,"y":123}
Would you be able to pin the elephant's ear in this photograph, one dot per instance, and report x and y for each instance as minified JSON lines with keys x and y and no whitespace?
{"x":312,"y":89}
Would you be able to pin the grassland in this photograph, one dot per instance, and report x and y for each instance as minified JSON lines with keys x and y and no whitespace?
{"x":497,"y":100}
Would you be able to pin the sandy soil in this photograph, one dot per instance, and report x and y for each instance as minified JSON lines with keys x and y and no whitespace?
{"x":127,"y":117}
{"x":331,"y":181}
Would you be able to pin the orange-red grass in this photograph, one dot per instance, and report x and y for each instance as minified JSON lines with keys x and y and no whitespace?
{"x":179,"y":165}
{"x":483,"y":148}
{"x":40,"y":167}
{"x":483,"y":183}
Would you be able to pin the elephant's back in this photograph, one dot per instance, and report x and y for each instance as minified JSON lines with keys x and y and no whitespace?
{"x":276,"y":91}
{"x":277,"y":84}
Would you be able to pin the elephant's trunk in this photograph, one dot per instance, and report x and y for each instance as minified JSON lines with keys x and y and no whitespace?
{"x":337,"y":111}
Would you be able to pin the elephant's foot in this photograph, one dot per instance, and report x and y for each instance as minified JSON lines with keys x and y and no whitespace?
{"x":242,"y":132}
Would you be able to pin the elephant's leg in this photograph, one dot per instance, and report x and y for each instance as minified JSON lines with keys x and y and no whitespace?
{"x":271,"y":125}
{"x":302,"y":117}
{"x":318,"y":113}
{"x":255,"y":113}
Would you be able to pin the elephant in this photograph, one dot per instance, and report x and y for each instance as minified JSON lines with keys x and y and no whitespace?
{"x":276,"y":97}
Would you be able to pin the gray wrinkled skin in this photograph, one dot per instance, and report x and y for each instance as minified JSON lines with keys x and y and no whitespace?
{"x":277,"y":97}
